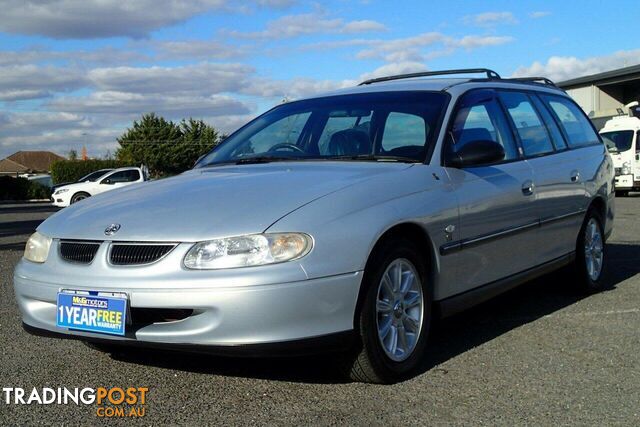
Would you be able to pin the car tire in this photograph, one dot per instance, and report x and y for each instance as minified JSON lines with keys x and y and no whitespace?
{"x":590,"y":263}
{"x":81,"y":195}
{"x":389,"y":315}
{"x":622,"y":193}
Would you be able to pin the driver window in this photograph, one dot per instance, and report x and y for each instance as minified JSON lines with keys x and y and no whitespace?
{"x":284,"y":131}
{"x":123,"y":176}
{"x":337,"y":124}
{"x":483,"y":121}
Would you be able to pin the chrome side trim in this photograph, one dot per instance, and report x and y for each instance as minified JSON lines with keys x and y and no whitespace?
{"x":451,"y":247}
{"x":561,"y":217}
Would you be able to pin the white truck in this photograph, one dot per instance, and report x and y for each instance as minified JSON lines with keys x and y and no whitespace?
{"x":621,"y":135}
{"x":98,"y":183}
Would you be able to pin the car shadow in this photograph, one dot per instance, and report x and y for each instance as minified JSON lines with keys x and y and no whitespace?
{"x":449,"y":337}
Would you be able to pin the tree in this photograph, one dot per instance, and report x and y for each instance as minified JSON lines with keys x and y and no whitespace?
{"x":165,"y":147}
{"x":198,"y":138}
{"x":147,"y":142}
{"x":73,"y":154}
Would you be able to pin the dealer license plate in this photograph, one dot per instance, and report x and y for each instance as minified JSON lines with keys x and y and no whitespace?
{"x":92,"y":312}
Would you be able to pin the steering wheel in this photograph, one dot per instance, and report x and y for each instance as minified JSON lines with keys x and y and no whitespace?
{"x":286,"y":145}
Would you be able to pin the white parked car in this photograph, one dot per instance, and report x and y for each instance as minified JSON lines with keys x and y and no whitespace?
{"x":117,"y":178}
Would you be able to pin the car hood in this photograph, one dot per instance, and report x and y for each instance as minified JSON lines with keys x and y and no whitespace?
{"x":208,"y":203}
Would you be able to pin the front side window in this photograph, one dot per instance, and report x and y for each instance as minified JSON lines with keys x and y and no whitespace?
{"x":369,"y":126}
{"x":531,"y":131}
{"x":124,"y":176}
{"x":618,"y":141}
{"x":576,"y":125}
{"x":480,"y":117}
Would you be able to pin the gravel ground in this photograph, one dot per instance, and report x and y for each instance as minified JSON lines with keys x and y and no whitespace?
{"x":537,"y":355}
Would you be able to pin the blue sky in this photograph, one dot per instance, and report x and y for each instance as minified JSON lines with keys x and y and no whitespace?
{"x":76,"y":72}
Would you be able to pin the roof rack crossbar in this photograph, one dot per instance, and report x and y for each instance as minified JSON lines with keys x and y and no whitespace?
{"x":490,"y":75}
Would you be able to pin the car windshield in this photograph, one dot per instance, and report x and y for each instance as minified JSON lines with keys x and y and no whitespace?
{"x":93,"y":176}
{"x":618,"y":141}
{"x":387,"y":126}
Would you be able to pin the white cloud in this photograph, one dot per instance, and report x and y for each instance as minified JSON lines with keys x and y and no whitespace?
{"x":420,"y":48}
{"x":289,"y":26}
{"x":539,"y":14}
{"x":202,"y":78}
{"x":561,"y":68}
{"x":83,"y":19}
{"x":394,"y":69}
{"x":291,"y":89}
{"x":126,"y":104}
{"x":30,"y":81}
{"x":474,"y":42}
{"x":204,"y":50}
{"x":490,"y":19}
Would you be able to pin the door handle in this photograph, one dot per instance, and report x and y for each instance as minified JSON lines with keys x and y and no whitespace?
{"x":527,"y":188}
{"x":575,"y":176}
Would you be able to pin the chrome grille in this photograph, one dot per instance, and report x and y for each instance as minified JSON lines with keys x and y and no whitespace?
{"x":79,"y":252}
{"x":137,"y":253}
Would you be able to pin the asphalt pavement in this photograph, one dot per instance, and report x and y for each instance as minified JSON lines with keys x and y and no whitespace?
{"x":539,"y":355}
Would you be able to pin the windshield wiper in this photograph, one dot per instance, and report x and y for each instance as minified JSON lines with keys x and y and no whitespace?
{"x":262,"y":159}
{"x":375,"y":158}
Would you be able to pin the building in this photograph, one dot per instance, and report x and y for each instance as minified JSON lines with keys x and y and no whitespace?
{"x":28,"y":162}
{"x":604,"y":95}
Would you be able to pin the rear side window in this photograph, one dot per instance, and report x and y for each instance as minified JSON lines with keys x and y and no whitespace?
{"x":550,"y":122}
{"x":531,"y":130}
{"x":575,"y":124}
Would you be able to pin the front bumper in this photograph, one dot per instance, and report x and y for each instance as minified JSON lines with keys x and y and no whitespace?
{"x":223,"y":316}
{"x":624,"y":182}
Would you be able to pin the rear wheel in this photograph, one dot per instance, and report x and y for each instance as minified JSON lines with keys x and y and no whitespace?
{"x":622,"y":193}
{"x":79,"y":196}
{"x":395,"y":315}
{"x":590,"y":254}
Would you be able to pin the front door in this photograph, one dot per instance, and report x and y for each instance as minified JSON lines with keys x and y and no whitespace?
{"x":498,"y":221}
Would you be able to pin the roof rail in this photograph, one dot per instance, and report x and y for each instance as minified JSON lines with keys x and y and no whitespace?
{"x":490,"y":75}
{"x":539,"y":80}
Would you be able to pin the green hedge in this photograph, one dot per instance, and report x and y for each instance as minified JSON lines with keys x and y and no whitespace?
{"x":22,"y":189}
{"x":73,"y":170}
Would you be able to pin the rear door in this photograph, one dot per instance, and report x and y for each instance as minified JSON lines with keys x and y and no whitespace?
{"x":498,"y":222}
{"x":559,"y":190}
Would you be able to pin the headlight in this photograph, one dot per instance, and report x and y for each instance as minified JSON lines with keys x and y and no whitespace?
{"x":37,"y":248}
{"x":62,"y":190}
{"x":626,"y":168}
{"x":246,"y":251}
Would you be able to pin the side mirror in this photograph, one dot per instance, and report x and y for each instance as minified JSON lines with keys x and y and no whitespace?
{"x":476,"y":153}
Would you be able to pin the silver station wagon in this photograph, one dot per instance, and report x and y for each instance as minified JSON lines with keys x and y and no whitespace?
{"x":346,"y":221}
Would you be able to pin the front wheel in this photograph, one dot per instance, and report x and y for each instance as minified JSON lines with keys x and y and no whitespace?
{"x":79,"y":196}
{"x":590,"y":254}
{"x":395,"y":315}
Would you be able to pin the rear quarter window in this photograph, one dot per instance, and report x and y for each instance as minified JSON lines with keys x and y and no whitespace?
{"x":574,"y":123}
